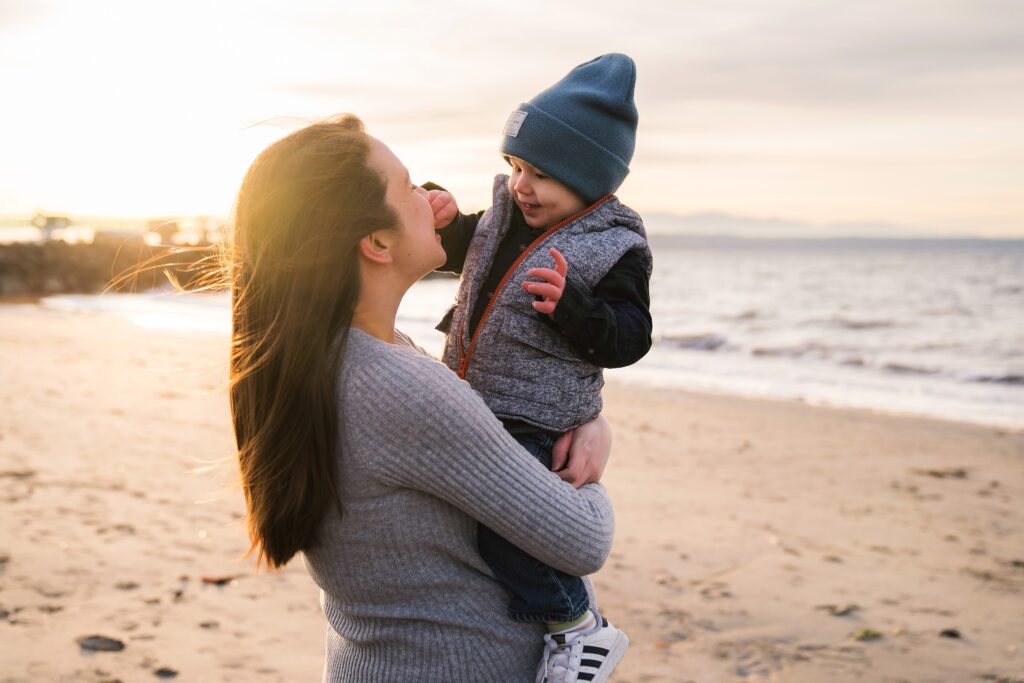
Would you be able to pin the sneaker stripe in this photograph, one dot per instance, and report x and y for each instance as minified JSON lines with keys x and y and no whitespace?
{"x":585,"y":677}
{"x":594,"y":663}
{"x":595,"y":650}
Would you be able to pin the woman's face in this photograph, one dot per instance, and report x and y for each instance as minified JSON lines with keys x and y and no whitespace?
{"x":418,"y":250}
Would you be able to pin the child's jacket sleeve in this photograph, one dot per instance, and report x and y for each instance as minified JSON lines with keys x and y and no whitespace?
{"x":611,"y":327}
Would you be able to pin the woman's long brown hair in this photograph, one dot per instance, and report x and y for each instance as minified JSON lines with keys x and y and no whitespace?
{"x":303,"y":206}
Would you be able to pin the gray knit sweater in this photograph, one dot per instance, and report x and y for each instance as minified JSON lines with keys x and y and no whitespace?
{"x":422,"y":460}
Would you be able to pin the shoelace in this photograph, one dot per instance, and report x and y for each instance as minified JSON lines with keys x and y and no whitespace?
{"x":558,"y":666}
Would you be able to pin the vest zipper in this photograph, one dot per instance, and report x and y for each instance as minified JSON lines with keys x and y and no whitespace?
{"x":464,"y":353}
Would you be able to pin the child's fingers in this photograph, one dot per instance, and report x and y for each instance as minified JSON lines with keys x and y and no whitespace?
{"x":552,"y":276}
{"x":545,"y":307}
{"x":440,"y":204}
{"x":561,"y":265}
{"x":440,"y":200}
{"x":543,"y":289}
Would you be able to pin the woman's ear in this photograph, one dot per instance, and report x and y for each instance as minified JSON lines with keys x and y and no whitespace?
{"x":376,"y":247}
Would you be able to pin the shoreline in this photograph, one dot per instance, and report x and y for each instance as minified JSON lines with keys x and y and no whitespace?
{"x":753,"y":401}
{"x":614,"y":378}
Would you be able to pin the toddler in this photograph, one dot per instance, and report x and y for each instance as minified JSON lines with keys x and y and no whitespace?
{"x":554,"y":288}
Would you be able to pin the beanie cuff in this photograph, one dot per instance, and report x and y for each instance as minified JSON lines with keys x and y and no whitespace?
{"x":565,"y":154}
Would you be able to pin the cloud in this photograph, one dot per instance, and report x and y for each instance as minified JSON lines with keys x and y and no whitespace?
{"x":845,"y":54}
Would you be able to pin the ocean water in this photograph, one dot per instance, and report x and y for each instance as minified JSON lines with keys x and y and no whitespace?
{"x":912,"y":327}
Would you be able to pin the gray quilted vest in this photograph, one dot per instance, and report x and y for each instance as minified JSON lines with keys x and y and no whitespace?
{"x":524,"y":369}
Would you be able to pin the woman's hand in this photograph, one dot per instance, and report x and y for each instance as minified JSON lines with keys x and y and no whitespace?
{"x":580,"y":456}
{"x":444,"y":207}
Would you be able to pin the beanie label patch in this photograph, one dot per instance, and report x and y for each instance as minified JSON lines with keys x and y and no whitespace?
{"x":514,"y":123}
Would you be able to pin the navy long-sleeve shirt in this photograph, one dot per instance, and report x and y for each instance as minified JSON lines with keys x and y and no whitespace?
{"x":611,"y":327}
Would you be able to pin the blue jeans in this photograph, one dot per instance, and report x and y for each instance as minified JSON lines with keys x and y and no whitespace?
{"x":539,"y":592}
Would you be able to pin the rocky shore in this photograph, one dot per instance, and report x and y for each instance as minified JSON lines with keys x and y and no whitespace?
{"x":124,"y":264}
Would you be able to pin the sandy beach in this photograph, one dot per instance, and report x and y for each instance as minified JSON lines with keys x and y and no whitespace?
{"x":756,"y":540}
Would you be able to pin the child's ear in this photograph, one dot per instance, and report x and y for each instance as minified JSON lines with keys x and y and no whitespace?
{"x":377,"y":246}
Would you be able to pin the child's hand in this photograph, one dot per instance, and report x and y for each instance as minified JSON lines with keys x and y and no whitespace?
{"x":444,"y":207}
{"x":580,"y":456}
{"x":552,"y":287}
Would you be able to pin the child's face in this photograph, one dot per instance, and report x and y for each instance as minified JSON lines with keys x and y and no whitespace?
{"x":543,"y":200}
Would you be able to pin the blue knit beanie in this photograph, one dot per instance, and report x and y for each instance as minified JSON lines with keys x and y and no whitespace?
{"x":581,"y":131}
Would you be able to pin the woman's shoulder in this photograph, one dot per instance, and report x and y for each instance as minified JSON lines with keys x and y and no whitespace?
{"x":399,"y":370}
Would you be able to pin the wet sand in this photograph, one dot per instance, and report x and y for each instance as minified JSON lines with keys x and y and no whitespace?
{"x":756,"y":541}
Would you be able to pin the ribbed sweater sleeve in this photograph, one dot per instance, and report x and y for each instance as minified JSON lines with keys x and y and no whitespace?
{"x":446,"y":442}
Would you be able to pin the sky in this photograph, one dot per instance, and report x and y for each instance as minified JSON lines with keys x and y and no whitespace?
{"x":830,"y":113}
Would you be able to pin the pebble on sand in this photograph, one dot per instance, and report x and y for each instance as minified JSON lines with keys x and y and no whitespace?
{"x":100,"y":644}
{"x":867,"y":634}
{"x":218,"y":580}
{"x":839,"y":610}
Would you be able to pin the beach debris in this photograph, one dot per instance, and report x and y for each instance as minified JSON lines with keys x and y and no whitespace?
{"x":106,"y":677}
{"x":867,"y":634}
{"x":165,"y":672}
{"x":1001,"y":678}
{"x":126,"y":585}
{"x":716,"y":590}
{"x":17,"y":474}
{"x":49,"y":609}
{"x":218,"y":580}
{"x":665,"y":579}
{"x":839,"y":610}
{"x":1016,"y":564}
{"x":788,"y":549}
{"x":949,"y":633}
{"x":833,"y":558}
{"x":209,"y":624}
{"x":97,"y":643}
{"x":947,"y":473}
{"x":980,"y":574}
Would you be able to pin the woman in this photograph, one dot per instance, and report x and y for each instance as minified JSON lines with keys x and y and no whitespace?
{"x":359,"y":450}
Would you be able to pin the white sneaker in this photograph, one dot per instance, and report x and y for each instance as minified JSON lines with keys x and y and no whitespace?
{"x":582,"y":656}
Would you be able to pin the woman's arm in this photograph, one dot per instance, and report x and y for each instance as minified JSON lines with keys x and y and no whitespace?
{"x":431,"y":432}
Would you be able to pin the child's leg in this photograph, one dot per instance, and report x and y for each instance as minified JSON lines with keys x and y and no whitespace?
{"x":539,"y":593}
